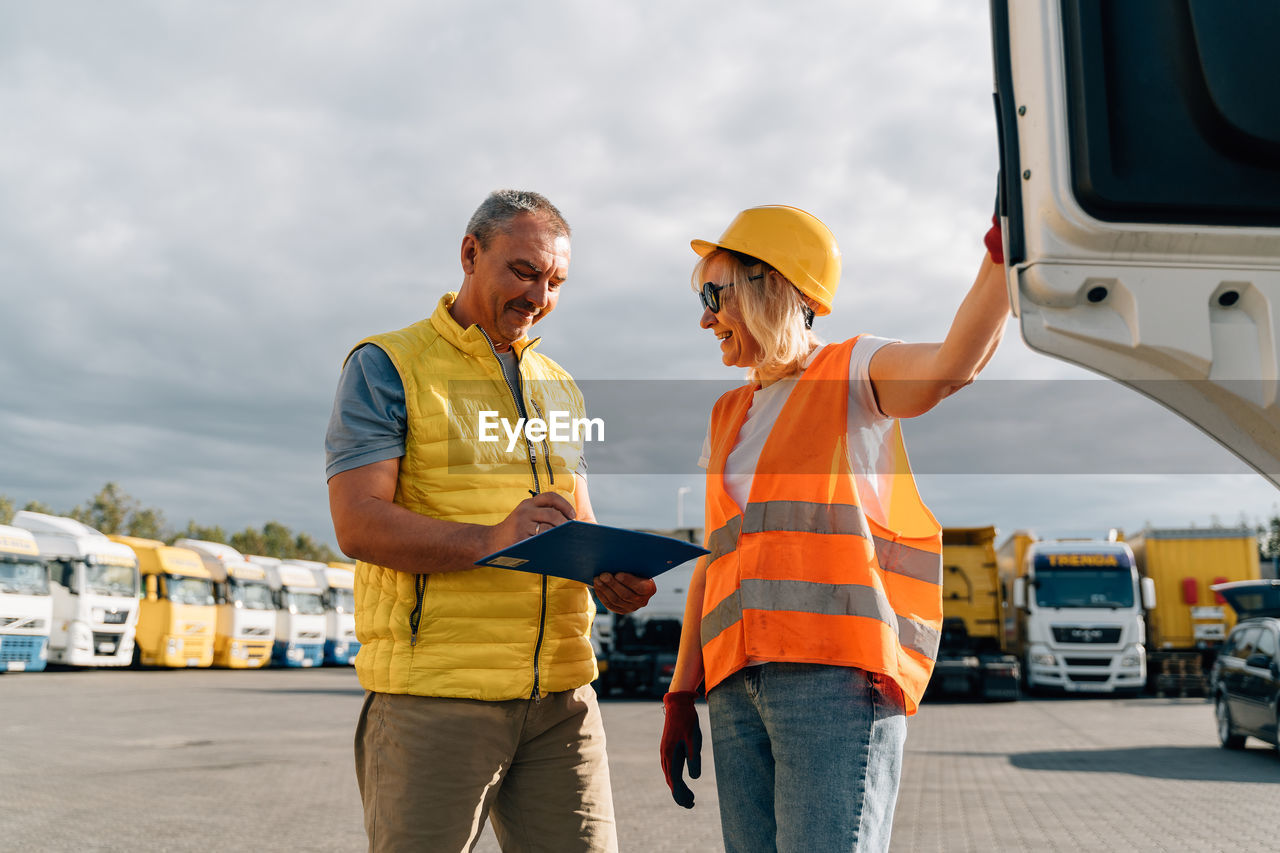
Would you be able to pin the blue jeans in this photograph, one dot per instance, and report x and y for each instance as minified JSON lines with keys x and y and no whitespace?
{"x":808,"y":757}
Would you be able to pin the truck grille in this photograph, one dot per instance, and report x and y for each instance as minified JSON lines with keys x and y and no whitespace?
{"x":1085,"y":634}
{"x":19,"y":648}
{"x":254,"y":631}
{"x":1089,"y":677}
{"x":115,"y":617}
{"x":308,"y":635}
{"x":104,"y":643}
{"x":22,"y":622}
{"x":1087,"y":661}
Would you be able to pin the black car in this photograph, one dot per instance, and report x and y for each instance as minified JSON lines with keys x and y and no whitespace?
{"x":1245,"y":681}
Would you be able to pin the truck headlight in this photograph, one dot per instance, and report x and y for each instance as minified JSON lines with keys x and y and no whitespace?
{"x":174,"y":646}
{"x":1131,"y":659}
{"x":1044,"y":659}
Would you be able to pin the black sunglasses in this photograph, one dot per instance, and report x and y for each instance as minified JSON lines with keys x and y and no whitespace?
{"x":710,"y":293}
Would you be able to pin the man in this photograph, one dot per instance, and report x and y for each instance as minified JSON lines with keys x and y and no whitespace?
{"x":479,"y":700}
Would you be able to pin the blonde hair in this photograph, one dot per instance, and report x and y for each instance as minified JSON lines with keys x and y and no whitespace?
{"x":770,"y":306}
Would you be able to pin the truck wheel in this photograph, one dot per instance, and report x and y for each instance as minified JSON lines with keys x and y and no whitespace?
{"x":1226,"y":732}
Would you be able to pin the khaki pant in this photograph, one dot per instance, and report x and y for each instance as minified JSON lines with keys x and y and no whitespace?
{"x":430,"y":770}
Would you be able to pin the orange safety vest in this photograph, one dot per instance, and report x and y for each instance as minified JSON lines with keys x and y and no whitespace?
{"x":803,"y":574}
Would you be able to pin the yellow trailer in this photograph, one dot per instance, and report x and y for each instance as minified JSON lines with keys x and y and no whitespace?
{"x":1190,"y":620}
{"x":972,"y":659}
{"x":176,"y":616}
{"x":1011,"y":564}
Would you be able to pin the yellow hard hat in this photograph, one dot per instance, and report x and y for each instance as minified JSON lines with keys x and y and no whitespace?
{"x":793,"y":242}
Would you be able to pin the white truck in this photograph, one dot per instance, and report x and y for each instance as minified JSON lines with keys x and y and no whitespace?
{"x":94,"y":591}
{"x":1081,"y":625}
{"x":299,"y":639}
{"x":26,"y":607}
{"x":246,"y":625}
{"x":638,"y":651}
{"x":338,"y":580}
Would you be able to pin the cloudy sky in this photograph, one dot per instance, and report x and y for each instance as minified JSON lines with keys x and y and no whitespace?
{"x":205,"y":205}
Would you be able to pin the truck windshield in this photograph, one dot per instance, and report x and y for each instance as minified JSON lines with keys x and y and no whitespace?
{"x":1084,"y":588}
{"x":343,"y":600}
{"x":185,"y":590}
{"x":24,"y":577}
{"x":304,"y":602}
{"x":251,"y":595}
{"x":111,"y":580}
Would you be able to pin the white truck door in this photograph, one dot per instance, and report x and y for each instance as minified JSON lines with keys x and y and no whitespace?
{"x":1140,"y":148}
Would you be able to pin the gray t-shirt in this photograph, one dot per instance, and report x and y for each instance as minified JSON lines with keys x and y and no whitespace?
{"x":369,"y":421}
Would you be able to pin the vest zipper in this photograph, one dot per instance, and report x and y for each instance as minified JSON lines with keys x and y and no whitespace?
{"x":420,"y":588}
{"x":546,"y":445}
{"x":515,"y":398}
{"x":537,"y":490}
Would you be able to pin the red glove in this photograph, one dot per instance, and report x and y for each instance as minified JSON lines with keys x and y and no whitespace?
{"x":681,"y":741}
{"x":993,"y":240}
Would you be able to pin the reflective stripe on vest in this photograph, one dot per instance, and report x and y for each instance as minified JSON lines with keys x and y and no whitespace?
{"x":822,"y":598}
{"x":827,"y":599}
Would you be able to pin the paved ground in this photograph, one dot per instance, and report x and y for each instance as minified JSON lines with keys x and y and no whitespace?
{"x":213,"y":761}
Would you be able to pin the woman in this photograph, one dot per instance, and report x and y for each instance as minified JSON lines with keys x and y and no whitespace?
{"x":814,"y":620}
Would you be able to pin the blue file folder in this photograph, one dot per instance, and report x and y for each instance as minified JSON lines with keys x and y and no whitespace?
{"x":579,"y":551}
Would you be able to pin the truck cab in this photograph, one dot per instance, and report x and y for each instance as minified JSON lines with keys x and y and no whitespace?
{"x":1082,"y":626}
{"x":26,"y":606}
{"x":176,"y":615}
{"x":338,"y":580}
{"x":93,"y":590}
{"x":299,"y":637}
{"x":246,"y":623}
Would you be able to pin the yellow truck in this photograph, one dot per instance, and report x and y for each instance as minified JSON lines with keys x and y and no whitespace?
{"x":972,"y":658}
{"x":246,"y":627}
{"x":176,"y":615}
{"x":1190,"y":620}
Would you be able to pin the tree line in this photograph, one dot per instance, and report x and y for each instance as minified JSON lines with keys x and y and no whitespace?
{"x":112,"y":510}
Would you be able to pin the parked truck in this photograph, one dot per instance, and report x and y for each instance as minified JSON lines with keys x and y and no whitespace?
{"x":176,"y":615}
{"x":299,"y":638}
{"x":637,"y":651}
{"x":246,"y":625}
{"x":93,"y":590}
{"x":26,"y":606}
{"x":972,"y":658}
{"x":1079,"y":623}
{"x":338,"y":580}
{"x":1190,"y":621}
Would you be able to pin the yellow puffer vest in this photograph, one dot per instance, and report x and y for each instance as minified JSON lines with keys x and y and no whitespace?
{"x":486,"y":633}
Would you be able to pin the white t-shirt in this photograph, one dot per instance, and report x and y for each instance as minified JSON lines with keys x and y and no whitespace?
{"x":869,"y":428}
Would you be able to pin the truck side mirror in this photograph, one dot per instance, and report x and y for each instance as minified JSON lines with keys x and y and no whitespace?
{"x":1148,"y":594}
{"x":151,"y":587}
{"x":1020,"y":593}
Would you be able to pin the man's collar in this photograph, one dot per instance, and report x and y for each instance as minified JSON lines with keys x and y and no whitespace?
{"x":471,"y":340}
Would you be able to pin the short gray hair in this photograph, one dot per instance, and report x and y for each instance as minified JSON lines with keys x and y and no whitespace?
{"x":502,"y":206}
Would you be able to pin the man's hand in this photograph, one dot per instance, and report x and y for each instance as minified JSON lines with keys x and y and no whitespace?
{"x":624,"y":593}
{"x":529,"y":518}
